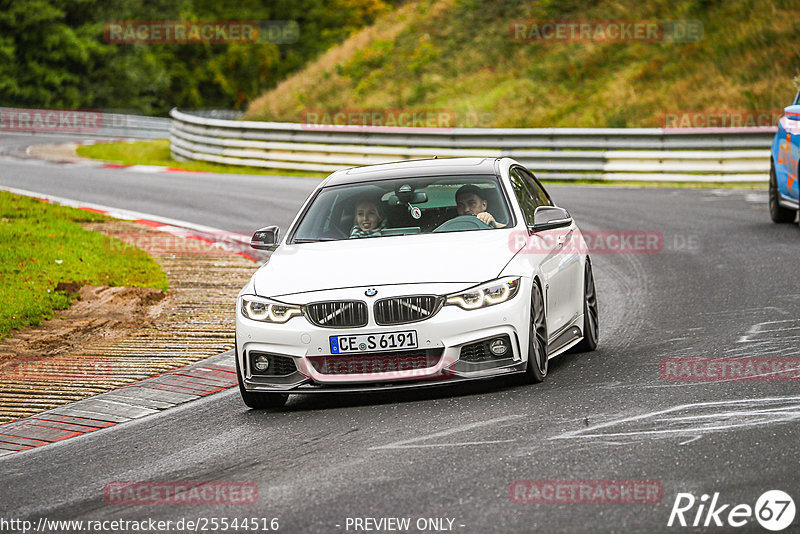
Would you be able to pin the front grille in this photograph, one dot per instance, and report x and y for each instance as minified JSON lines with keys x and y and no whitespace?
{"x":278,"y":365}
{"x":335,"y":314}
{"x":399,"y":310}
{"x":376,"y":362}
{"x":479,"y":352}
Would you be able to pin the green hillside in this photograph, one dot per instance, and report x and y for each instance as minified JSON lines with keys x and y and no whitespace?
{"x":460,"y":59}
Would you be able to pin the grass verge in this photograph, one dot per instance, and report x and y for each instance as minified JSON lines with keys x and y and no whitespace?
{"x":157,"y":153}
{"x":44,"y":245}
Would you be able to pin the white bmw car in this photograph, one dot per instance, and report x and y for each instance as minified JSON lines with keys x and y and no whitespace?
{"x":415,"y":274}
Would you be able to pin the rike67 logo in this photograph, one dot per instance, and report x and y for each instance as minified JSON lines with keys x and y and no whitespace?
{"x":774,"y":510}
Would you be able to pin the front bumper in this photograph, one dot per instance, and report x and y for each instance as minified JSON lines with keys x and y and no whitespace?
{"x":440,"y":338}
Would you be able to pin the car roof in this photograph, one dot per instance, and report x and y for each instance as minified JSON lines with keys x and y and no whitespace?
{"x":420,"y":167}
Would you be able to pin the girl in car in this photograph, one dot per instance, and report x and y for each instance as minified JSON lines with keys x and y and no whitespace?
{"x":369,"y":220}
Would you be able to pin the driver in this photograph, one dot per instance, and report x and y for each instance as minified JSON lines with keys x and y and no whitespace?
{"x":471,"y":200}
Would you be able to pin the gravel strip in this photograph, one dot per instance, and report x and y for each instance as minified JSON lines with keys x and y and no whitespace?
{"x":197,"y":321}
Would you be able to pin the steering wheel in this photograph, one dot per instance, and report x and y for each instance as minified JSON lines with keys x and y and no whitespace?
{"x":461,"y":223}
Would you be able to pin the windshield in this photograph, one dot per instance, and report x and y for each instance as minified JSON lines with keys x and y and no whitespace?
{"x":404,"y":206}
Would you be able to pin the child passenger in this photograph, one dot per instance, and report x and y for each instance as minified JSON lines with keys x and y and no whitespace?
{"x":369,"y":220}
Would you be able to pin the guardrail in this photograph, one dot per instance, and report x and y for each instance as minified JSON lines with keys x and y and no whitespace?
{"x":133,"y":126}
{"x":93,"y":123}
{"x":648,"y":154}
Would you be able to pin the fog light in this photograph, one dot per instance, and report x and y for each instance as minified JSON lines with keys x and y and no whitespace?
{"x":261,"y":362}
{"x":498,"y":347}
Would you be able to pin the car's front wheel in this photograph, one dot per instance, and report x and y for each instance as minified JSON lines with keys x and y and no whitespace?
{"x":778,"y":213}
{"x":259,"y":401}
{"x":537,"y":337}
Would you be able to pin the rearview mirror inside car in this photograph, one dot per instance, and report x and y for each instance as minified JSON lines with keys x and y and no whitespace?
{"x":417,"y":198}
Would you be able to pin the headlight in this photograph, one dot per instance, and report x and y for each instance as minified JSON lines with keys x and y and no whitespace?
{"x":487,"y":294}
{"x":269,"y":311}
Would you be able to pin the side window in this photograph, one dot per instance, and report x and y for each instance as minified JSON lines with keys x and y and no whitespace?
{"x":525,"y":198}
{"x":539,"y":194}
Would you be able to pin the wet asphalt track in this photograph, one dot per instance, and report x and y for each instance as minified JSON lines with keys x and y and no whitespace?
{"x":725,"y":285}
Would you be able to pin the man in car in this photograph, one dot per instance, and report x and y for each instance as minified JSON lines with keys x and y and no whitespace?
{"x":470,"y":200}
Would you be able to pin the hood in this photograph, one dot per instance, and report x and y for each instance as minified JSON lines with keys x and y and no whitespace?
{"x":466,"y":257}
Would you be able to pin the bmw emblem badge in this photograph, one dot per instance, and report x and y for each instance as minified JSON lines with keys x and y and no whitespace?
{"x":371,"y":292}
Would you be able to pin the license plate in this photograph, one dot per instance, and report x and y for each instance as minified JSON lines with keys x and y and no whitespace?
{"x":374,"y":342}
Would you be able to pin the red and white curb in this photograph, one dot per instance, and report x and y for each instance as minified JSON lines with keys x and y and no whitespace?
{"x":137,"y":400}
{"x":87,"y":162}
{"x":236,"y":243}
{"x":151,"y":169}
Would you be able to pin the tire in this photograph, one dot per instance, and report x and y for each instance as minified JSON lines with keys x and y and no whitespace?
{"x":537,"y":338}
{"x":778,"y":213}
{"x":591,"y":323}
{"x":259,"y":401}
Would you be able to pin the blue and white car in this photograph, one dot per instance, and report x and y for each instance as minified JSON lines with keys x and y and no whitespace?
{"x":473,"y":273}
{"x":783,"y":170}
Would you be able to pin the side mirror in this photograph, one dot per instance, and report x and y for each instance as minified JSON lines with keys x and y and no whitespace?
{"x":550,"y":217}
{"x":266,"y":238}
{"x":792,"y":112}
